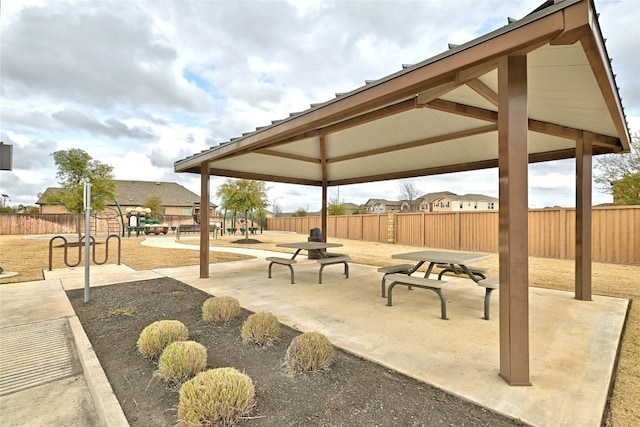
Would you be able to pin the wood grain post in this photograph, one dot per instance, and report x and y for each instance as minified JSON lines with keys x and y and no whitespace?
{"x":513,"y":234}
{"x":584,"y":151}
{"x":204,"y":220}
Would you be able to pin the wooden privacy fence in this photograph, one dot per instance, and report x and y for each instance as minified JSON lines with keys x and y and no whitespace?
{"x":615,"y":231}
{"x":66,"y":224}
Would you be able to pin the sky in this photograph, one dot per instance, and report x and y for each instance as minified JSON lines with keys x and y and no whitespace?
{"x":139,"y":85}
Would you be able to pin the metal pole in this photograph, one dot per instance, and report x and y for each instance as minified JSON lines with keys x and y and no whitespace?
{"x":87,"y":236}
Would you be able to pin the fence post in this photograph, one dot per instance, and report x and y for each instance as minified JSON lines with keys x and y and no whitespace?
{"x":457,"y":233}
{"x":564,"y":230}
{"x":391,"y":228}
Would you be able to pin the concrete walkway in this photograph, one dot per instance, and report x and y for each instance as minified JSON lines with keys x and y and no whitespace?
{"x":572,"y":343}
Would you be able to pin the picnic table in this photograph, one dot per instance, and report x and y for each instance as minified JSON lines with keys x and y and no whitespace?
{"x":324,"y":260}
{"x":455,"y":262}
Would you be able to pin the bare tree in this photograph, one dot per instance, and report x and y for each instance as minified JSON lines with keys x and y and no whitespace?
{"x":408,"y":192}
{"x":619,"y":175}
{"x":275,"y":207}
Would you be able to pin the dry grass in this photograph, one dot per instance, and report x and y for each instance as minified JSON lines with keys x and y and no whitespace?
{"x":30,"y":257}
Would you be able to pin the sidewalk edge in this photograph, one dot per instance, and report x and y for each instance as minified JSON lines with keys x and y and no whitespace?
{"x":106,"y":404}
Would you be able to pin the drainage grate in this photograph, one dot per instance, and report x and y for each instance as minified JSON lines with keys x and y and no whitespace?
{"x":35,"y":354}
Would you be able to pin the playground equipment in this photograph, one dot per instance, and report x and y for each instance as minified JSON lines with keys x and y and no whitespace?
{"x":93,"y":255}
{"x":240,"y":223}
{"x":139,"y":220}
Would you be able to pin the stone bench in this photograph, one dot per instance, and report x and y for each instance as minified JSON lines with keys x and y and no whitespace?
{"x":400,"y":268}
{"x":282,"y":261}
{"x":419,"y":282}
{"x":490,"y":285}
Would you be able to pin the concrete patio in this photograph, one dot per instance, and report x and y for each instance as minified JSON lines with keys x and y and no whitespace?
{"x":573,"y":343}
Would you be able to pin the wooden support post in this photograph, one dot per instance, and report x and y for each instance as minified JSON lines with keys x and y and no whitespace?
{"x":513,"y":234}
{"x":323,"y":156}
{"x":584,"y":151}
{"x":204,"y":220}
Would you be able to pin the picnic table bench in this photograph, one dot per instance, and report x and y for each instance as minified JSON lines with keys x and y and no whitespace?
{"x":419,"y":282}
{"x":392,"y":269}
{"x":490,"y":285}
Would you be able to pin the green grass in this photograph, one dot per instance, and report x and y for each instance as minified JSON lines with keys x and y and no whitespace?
{"x":120,"y":311}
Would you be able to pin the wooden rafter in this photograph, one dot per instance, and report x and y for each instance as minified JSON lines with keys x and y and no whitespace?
{"x":484,"y":91}
{"x":568,"y":153}
{"x":534,"y":125}
{"x":289,"y":156}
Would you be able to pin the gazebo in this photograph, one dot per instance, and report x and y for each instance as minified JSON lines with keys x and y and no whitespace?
{"x":538,"y":89}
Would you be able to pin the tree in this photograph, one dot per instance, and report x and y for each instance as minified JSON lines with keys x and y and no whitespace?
{"x":155,"y":204}
{"x":409,"y":192}
{"x":243,"y":195}
{"x":277,"y":210}
{"x":74,"y":167}
{"x":300,"y":212}
{"x":620,"y":174}
{"x":336,"y":208}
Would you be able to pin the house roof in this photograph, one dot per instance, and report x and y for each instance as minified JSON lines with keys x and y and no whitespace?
{"x":430,"y":197}
{"x":467,"y":198}
{"x":440,"y":115}
{"x":382,"y":202}
{"x":134,"y":193}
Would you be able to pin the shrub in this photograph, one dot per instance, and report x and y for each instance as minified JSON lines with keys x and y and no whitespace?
{"x":181,"y":360}
{"x":220,"y":309}
{"x":310,"y":351}
{"x":215,"y":397}
{"x":155,"y":337}
{"x":260,"y":329}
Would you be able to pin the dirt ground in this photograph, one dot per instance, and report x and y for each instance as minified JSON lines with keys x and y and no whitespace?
{"x":353,"y":392}
{"x":30,"y":256}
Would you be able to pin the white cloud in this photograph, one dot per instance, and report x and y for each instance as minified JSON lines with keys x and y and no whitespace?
{"x":146,"y":83}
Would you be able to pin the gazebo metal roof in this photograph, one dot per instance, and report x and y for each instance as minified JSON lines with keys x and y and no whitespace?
{"x":440,"y":115}
{"x":541,"y":88}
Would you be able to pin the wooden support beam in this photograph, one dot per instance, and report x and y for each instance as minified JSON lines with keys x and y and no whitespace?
{"x":323,"y":158}
{"x":513,"y":220}
{"x":599,"y":140}
{"x":204,"y":220}
{"x":584,"y":148}
{"x":483,"y":90}
{"x":283,"y":155}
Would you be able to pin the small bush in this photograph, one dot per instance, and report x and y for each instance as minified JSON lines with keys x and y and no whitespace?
{"x":220,"y":309}
{"x":181,"y":360}
{"x":260,"y":329}
{"x":310,"y":351}
{"x":215,"y":397}
{"x":155,"y":337}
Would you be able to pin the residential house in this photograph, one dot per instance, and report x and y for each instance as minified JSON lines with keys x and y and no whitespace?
{"x":377,"y":206}
{"x":351,"y":208}
{"x":176,"y":199}
{"x":425,"y":202}
{"x":467,"y":202}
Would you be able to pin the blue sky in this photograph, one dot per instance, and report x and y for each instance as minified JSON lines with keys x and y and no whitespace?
{"x":142,"y":84}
